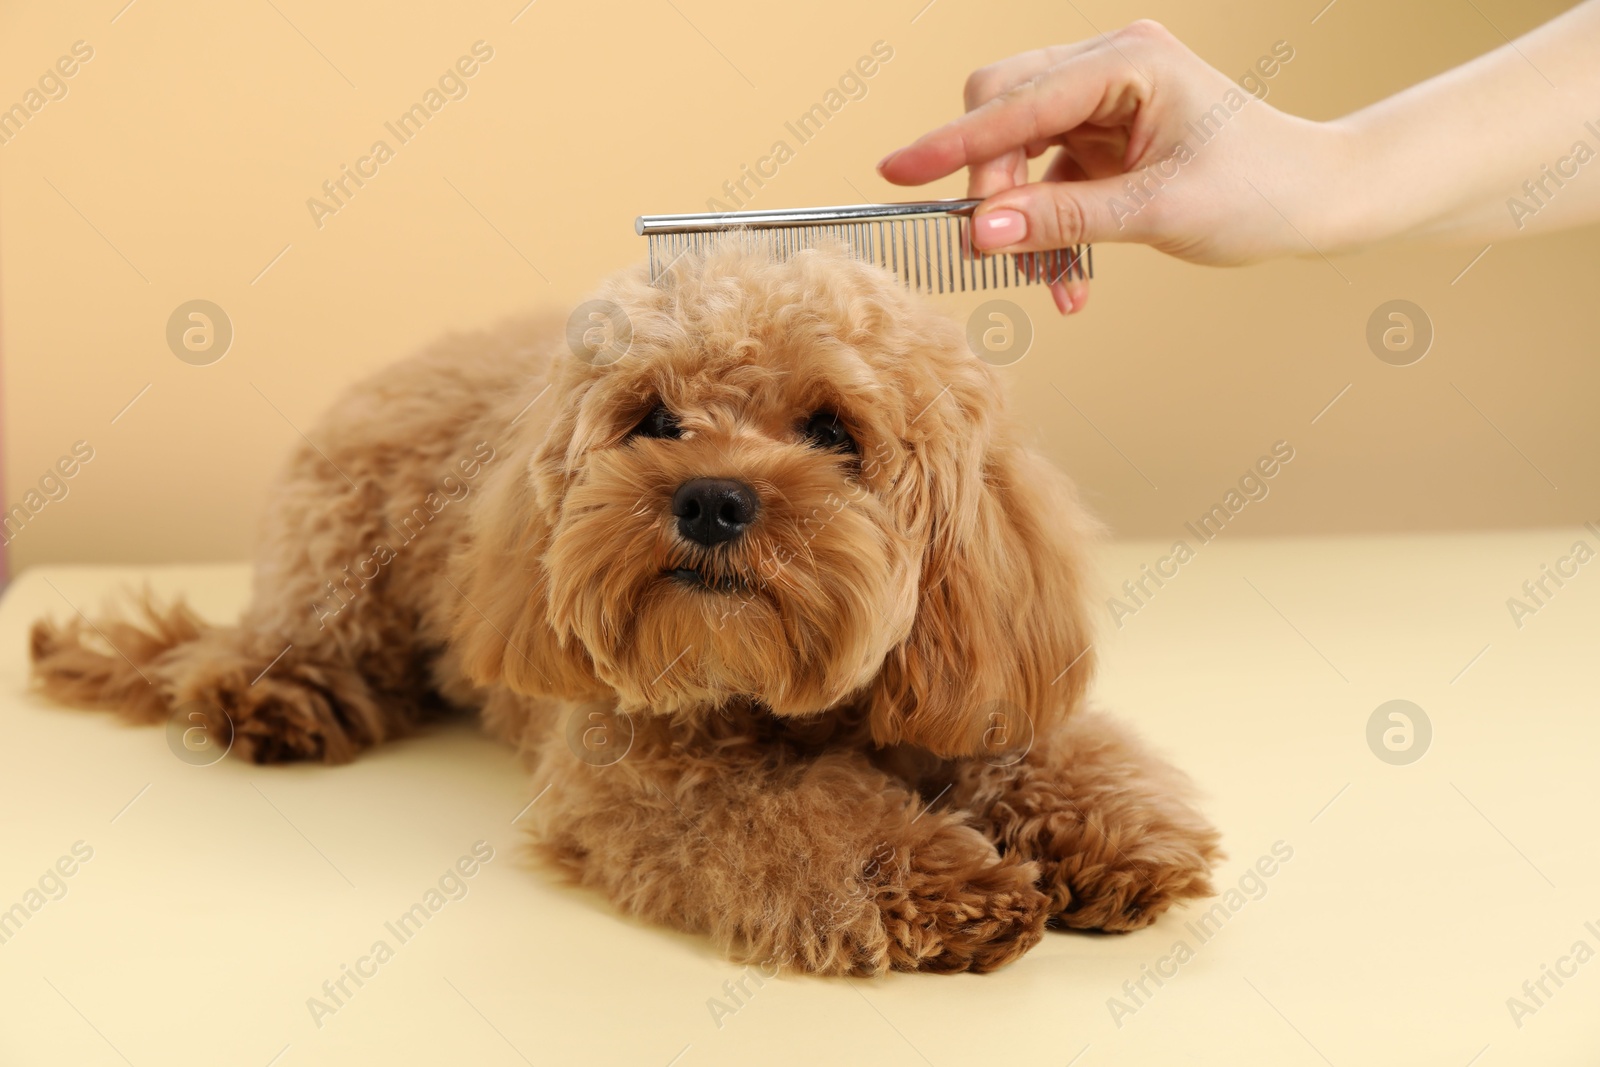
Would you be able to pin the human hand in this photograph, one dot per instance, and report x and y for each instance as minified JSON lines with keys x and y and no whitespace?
{"x":1155,"y":146}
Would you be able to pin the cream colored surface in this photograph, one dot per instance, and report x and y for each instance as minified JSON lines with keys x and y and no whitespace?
{"x":180,"y":162}
{"x":1418,"y":899}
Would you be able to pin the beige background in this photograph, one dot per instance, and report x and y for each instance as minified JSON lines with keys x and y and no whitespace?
{"x":179,"y":164}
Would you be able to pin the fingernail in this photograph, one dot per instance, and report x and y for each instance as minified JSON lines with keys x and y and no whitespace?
{"x":884,"y":162}
{"x":997,"y":229}
{"x":1062,"y":297}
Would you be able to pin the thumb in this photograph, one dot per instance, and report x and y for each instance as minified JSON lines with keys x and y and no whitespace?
{"x":1046,"y":215}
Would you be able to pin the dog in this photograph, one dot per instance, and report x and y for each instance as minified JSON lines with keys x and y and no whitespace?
{"x":788,"y":623}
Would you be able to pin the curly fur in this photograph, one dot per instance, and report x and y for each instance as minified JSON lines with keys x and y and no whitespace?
{"x":901,"y":626}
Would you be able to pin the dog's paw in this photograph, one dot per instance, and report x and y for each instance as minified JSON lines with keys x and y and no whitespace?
{"x":957,"y":905}
{"x":1113,"y":870}
{"x":1131,"y":887}
{"x":278,"y":721}
{"x":274,"y":733}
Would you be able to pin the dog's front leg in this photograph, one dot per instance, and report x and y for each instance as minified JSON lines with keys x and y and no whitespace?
{"x":1110,"y":824}
{"x":817,"y":863}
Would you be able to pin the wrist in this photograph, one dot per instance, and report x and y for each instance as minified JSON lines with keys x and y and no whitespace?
{"x":1356,"y":204}
{"x":1402,"y":173}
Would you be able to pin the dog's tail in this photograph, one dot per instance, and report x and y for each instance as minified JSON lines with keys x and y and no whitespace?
{"x":273,"y":700}
{"x":111,"y":662}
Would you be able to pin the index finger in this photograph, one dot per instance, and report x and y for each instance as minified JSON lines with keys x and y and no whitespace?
{"x":1009,"y":169}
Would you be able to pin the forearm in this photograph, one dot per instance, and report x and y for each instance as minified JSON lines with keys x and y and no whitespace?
{"x":1446,"y":157}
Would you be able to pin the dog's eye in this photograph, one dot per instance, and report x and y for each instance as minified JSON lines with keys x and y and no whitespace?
{"x":824,"y":430}
{"x":659,"y":423}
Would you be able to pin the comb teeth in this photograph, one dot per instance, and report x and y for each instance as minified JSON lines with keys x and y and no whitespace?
{"x":926,"y":244}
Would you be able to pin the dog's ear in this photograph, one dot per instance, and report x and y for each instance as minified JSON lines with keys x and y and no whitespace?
{"x":1001,"y":643}
{"x":502,"y":635}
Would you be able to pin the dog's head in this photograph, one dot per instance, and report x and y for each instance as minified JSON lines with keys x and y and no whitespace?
{"x":796,"y":487}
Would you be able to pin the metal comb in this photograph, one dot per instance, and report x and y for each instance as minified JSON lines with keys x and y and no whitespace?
{"x":926,"y":243}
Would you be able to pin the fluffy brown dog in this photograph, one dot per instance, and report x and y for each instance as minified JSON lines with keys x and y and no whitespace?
{"x":776,"y":606}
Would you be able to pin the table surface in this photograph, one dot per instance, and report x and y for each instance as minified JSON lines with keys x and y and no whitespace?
{"x":1419,"y":899}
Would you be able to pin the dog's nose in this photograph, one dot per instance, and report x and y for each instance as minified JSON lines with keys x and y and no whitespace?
{"x":713,"y":510}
